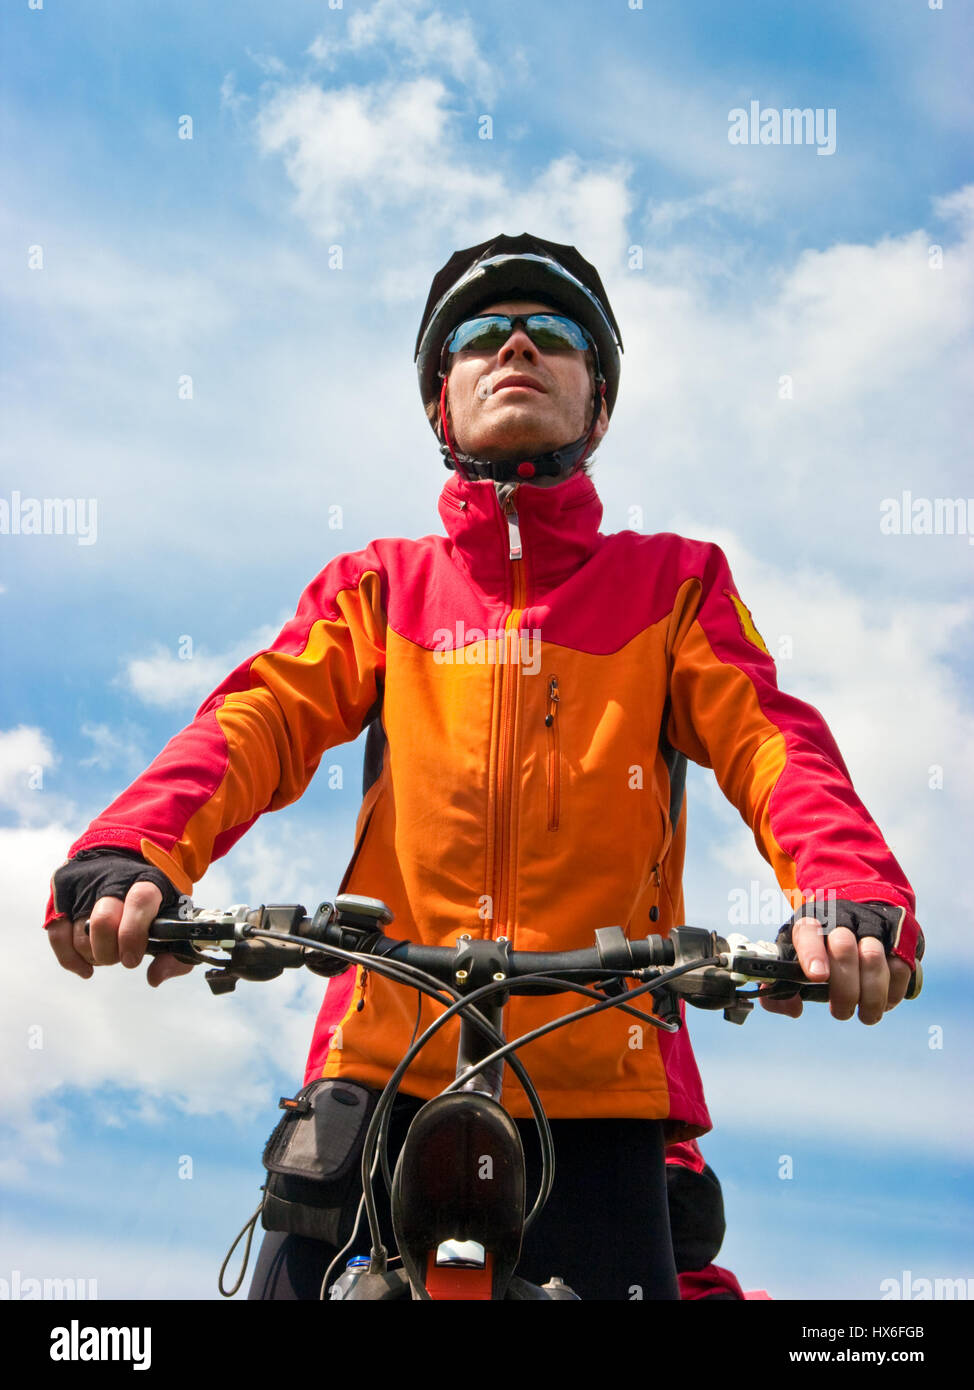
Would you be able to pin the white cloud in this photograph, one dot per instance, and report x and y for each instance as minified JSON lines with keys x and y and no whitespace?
{"x":26,"y":755}
{"x":958,"y":205}
{"x":858,"y":319}
{"x":268,"y":63}
{"x":801,"y":404}
{"x":358,"y":152}
{"x":230,"y":99}
{"x":400,"y":147}
{"x":882,"y":679}
{"x":418,"y":35}
{"x":90,"y":283}
{"x":567,"y":201}
{"x":169,"y":681}
{"x":113,"y":747}
{"x":38,"y":1145}
{"x":112,"y":1030}
{"x":736,"y":198}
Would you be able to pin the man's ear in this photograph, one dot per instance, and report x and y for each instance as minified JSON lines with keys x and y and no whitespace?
{"x":433,"y":415}
{"x":601,"y":424}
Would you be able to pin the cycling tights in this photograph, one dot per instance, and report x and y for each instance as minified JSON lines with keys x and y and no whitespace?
{"x":605,"y":1230}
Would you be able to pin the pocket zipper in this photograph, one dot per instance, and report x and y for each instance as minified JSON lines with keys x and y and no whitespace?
{"x":554,"y":754}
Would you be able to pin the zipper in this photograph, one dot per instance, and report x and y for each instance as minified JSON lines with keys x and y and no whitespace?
{"x":654,"y":911}
{"x":665,"y":893}
{"x":373,"y":791}
{"x":554,"y":754}
{"x":501,"y":873}
{"x":364,"y":987}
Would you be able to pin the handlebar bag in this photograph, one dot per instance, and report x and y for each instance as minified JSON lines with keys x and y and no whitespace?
{"x":312,"y":1160}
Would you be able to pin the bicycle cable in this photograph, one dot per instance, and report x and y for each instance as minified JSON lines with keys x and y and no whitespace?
{"x":411,"y":975}
{"x":361,"y":1206}
{"x":647,"y":988}
{"x":408,"y":974}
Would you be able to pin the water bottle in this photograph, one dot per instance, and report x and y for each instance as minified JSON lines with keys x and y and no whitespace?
{"x":343,"y":1285}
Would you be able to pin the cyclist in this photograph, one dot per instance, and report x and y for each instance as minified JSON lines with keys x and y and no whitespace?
{"x":532,"y":689}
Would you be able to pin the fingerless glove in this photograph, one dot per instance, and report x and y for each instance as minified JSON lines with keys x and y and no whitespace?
{"x":105,"y":873}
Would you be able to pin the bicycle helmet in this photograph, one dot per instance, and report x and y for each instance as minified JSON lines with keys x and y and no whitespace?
{"x":521,"y":267}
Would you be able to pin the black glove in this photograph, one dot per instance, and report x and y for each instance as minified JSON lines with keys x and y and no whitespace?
{"x":105,"y":873}
{"x":885,"y":921}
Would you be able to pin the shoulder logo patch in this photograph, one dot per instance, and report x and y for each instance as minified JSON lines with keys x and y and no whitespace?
{"x":747,"y":623}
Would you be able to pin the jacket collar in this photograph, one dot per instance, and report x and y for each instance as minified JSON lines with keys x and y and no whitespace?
{"x":559,"y":530}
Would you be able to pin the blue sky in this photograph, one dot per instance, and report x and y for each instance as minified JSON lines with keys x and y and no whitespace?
{"x":795,"y":355}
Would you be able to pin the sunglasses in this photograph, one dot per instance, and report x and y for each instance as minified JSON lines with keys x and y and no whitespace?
{"x":491,"y":331}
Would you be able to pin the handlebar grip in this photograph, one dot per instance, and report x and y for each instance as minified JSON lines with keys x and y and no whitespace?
{"x":814,"y":994}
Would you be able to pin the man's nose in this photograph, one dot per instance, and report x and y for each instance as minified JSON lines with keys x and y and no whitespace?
{"x":517,"y":345}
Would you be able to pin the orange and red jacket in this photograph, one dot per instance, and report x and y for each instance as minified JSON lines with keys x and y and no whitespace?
{"x":533,"y":689}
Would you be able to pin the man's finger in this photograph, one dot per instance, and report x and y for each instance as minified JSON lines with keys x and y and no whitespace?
{"x":791,"y":1008}
{"x":899,"y":982}
{"x":141,"y":907}
{"x":873,"y":980}
{"x":839,"y":952}
{"x":103,"y":932}
{"x":165,"y":968}
{"x":81,"y":941}
{"x":61,"y":936}
{"x":809,"y":943}
{"x":843,"y":972}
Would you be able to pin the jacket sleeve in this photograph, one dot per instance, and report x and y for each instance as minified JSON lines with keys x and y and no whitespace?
{"x":772,"y":754}
{"x":255,"y":744}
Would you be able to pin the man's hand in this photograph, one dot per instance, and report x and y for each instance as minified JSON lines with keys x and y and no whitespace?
{"x":119,"y":932}
{"x":858,"y":973}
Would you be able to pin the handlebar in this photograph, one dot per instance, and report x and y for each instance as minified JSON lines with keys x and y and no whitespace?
{"x":704,"y":968}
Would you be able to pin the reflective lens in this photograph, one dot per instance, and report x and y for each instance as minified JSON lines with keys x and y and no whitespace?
{"x":490,"y":332}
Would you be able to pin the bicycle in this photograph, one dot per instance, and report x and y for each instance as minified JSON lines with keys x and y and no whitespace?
{"x":459,"y":1237}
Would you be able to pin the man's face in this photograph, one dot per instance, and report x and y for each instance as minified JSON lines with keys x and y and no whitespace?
{"x":519,"y":401}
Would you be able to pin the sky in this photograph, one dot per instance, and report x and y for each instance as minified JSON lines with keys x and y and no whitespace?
{"x":218,"y":226}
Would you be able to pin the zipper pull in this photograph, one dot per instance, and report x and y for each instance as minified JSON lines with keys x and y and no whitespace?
{"x":654,"y":910}
{"x":514,"y":534}
{"x":553,"y":698}
{"x":513,"y":527}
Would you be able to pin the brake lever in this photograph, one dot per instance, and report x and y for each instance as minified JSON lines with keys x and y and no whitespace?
{"x":185,"y":951}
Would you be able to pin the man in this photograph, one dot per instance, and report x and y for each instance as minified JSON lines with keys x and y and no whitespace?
{"x":532,"y":689}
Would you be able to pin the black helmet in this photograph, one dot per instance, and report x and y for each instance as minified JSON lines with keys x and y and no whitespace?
{"x":523,"y":267}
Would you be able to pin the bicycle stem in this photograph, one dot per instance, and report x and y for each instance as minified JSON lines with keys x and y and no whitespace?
{"x":474,"y":1047}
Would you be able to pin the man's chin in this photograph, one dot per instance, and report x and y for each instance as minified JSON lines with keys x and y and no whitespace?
{"x":512,"y":447}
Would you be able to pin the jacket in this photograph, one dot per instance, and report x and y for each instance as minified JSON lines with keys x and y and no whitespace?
{"x":532,"y":689}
